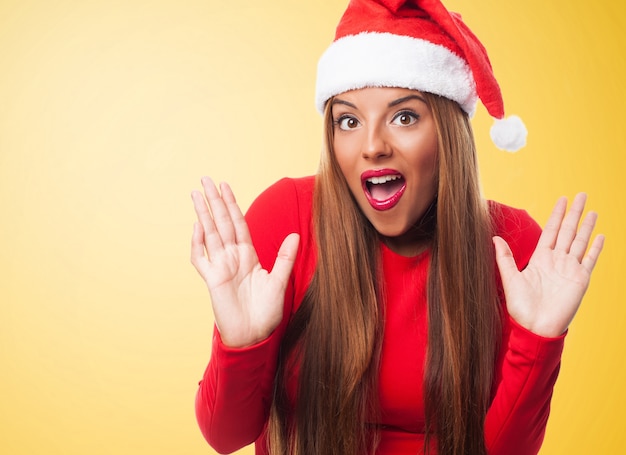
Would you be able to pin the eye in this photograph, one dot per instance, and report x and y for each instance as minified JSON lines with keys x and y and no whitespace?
{"x":405,"y":118}
{"x":347,"y":122}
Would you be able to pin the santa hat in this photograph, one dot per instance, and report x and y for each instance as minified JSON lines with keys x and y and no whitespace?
{"x":415,"y":44}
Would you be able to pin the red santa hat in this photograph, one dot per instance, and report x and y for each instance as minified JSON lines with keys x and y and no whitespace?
{"x":415,"y":44}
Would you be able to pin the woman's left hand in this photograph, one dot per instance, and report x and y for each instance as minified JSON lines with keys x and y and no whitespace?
{"x":545,"y":296}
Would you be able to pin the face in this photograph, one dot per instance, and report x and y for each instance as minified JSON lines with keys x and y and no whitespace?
{"x":385,"y":143}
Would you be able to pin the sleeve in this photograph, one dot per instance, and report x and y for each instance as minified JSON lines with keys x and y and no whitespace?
{"x":517,"y":418}
{"x":529,"y":364}
{"x":234,"y":396}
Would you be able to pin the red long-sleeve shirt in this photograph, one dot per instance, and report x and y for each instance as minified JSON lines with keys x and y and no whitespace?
{"x":234,"y":397}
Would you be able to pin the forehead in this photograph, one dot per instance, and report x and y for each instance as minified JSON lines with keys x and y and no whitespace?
{"x":377,"y":97}
{"x":378,"y":92}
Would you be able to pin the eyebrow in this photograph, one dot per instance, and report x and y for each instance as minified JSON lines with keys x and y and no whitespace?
{"x":391,"y":104}
{"x":338,"y":101}
{"x":406,"y":98}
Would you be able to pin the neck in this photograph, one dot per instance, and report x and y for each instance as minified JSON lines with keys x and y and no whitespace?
{"x":419,"y":237}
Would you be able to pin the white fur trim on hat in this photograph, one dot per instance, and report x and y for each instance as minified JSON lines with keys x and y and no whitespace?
{"x":387,"y":60}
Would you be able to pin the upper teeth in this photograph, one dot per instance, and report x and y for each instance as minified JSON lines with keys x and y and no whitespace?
{"x":382,"y":179}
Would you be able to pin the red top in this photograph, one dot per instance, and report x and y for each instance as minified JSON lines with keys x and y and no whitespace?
{"x":234,"y":397}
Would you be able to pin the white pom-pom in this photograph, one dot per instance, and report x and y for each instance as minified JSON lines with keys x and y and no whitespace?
{"x":509,"y":133}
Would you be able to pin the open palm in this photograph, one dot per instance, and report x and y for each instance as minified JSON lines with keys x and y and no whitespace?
{"x":247,"y":299}
{"x":545,"y":296}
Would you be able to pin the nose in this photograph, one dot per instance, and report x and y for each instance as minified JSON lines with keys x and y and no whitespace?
{"x":376,"y":144}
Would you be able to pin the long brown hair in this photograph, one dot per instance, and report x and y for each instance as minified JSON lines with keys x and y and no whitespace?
{"x":333,"y":342}
{"x":464,"y":321}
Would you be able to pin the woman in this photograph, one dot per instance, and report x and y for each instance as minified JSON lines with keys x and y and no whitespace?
{"x":384,"y":325}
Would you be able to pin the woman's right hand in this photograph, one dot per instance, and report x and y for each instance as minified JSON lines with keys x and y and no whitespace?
{"x":247,"y":300}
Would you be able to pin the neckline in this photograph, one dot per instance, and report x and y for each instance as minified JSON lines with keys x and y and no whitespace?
{"x":397,"y":257}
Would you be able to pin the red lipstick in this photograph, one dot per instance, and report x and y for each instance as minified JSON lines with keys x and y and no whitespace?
{"x":383,"y":188}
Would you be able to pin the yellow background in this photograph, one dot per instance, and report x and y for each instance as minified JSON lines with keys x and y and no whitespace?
{"x":111,"y":111}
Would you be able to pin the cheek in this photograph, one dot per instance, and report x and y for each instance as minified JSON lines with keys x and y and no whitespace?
{"x":343,"y":157}
{"x":433,"y":165}
{"x":431,"y":157}
{"x":428,"y":164}
{"x":342,"y":164}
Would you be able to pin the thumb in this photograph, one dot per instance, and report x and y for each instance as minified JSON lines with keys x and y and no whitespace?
{"x":504,"y":259}
{"x":285,"y":258}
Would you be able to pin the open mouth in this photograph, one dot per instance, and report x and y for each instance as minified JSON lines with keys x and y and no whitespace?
{"x":383,"y":188}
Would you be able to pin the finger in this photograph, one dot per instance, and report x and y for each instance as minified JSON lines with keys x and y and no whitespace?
{"x":219,"y":212}
{"x":551,"y":230}
{"x":504,"y":259}
{"x":580,"y":243}
{"x":198,"y":257}
{"x":285,"y":258}
{"x":212,"y":239}
{"x":589,"y":262}
{"x":242,"y":232}
{"x":569,"y":226}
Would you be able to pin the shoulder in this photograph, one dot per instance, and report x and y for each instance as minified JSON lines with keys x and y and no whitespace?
{"x":283,"y":202}
{"x":284,"y":207}
{"x":518,"y":228}
{"x":285,"y":194}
